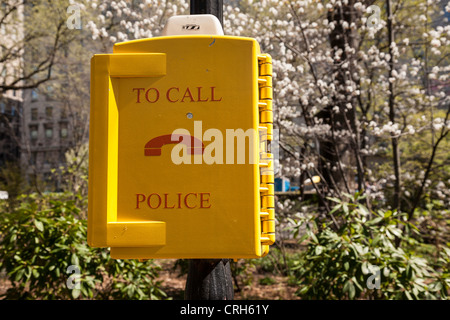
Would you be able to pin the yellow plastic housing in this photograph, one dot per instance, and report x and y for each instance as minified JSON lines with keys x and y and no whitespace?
{"x":144,"y":205}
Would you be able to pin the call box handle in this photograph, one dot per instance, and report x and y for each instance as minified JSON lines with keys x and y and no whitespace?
{"x":136,"y":234}
{"x":137,"y":65}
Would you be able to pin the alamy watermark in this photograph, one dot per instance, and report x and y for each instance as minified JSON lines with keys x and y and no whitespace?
{"x":74,"y":280}
{"x":374,"y":281}
{"x":74,"y":16}
{"x":230,"y":146}
{"x":374,"y":20}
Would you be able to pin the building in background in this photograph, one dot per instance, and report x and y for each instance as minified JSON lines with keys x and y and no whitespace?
{"x":11,"y":101}
{"x":10,"y":129}
{"x":35,"y":120}
{"x":45,"y":135}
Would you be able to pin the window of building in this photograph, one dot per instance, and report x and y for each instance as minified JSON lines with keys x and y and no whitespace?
{"x":49,"y":132}
{"x":31,"y":178}
{"x":48,"y":179}
{"x":63,"y":130}
{"x":34,"y":95}
{"x":33,"y":157}
{"x":49,"y":112}
{"x":62,"y":156}
{"x":63,"y":113}
{"x":34,"y":114}
{"x":47,"y":157}
{"x":33,"y":132}
{"x":50,"y":93}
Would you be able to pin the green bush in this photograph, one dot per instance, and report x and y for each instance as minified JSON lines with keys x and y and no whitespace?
{"x":278,"y":261}
{"x":358,"y":258}
{"x":267,"y":281}
{"x":44,"y":236}
{"x":441,"y":283}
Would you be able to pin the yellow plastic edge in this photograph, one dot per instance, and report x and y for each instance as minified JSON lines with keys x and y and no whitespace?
{"x":106,"y":69}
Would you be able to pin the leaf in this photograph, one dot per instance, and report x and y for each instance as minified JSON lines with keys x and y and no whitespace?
{"x":389,"y":235}
{"x":345,"y":208}
{"x":303,"y":238}
{"x":334,"y":199}
{"x":347,"y":195}
{"x":314,"y":238}
{"x":318,"y":250}
{"x":39,"y":225}
{"x":356,"y":283}
{"x":375,"y":221}
{"x":74,"y":259}
{"x":397,"y":232}
{"x":436,"y":286}
{"x":346,"y":265}
{"x":346,"y":286}
{"x":363,"y":210}
{"x":19,"y":274}
{"x":76,"y":293}
{"x":350,"y":289}
{"x":375,"y":240}
{"x":130,"y":290}
{"x":365,"y":268}
{"x":337,"y":207}
{"x":35,"y":273}
{"x":351,"y":293}
{"x":408,"y":295}
{"x":409,"y":272}
{"x":28,"y":272}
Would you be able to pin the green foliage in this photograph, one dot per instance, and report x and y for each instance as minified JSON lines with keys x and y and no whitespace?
{"x":347,"y":261}
{"x":441,"y":283}
{"x":279,"y":260}
{"x":433,"y":221}
{"x":182,"y":265}
{"x":44,"y":236}
{"x":74,"y":176}
{"x":12,"y":181}
{"x":267,"y":281}
{"x":242,"y":272}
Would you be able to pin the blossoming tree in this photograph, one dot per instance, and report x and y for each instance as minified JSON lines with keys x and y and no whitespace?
{"x":356,"y":83}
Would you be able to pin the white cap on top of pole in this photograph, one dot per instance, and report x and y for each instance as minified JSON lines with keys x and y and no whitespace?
{"x":195,"y":24}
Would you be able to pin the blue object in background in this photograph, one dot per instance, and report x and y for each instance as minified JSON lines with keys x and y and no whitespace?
{"x":282,"y":184}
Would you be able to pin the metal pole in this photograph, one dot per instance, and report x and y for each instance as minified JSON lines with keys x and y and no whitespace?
{"x":214,"y":7}
{"x":209,"y":279}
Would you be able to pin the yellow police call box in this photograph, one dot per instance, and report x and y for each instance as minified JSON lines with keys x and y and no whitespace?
{"x":179,"y":164}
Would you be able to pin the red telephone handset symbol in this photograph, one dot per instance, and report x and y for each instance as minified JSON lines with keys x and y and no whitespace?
{"x":153,"y":147}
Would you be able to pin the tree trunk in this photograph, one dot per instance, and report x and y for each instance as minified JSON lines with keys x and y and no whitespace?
{"x":394,"y":138}
{"x":334,"y":151}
